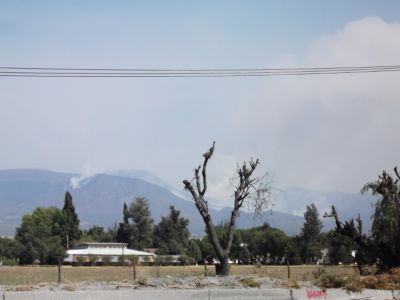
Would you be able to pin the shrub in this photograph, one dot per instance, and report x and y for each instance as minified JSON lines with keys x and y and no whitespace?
{"x":122,"y":260}
{"x":106,"y":260}
{"x":329,"y":280}
{"x":291,"y":284}
{"x":326,"y":280}
{"x":249,"y":282}
{"x":8,"y":261}
{"x":353,"y":285}
{"x":80,"y":260}
{"x":387,"y":281}
{"x":184,"y":259}
{"x":93,"y":259}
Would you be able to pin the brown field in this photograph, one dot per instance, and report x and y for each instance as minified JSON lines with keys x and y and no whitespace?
{"x":34,"y":275}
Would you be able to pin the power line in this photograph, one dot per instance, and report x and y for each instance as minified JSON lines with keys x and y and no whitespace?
{"x":11,"y":71}
{"x":199,"y":70}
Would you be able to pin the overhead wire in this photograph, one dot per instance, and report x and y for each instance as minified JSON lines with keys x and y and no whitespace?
{"x":13,"y":71}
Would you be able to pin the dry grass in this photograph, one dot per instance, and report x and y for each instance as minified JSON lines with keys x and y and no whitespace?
{"x":249,"y":283}
{"x":70,"y":275}
{"x":290,"y":284}
{"x":387,"y":281}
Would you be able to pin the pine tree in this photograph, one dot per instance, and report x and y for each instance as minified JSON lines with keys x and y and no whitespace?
{"x":171,"y":235}
{"x":72,"y":231}
{"x":142,"y":224}
{"x":124,"y":232}
{"x":310,"y":234}
{"x":139,"y":233}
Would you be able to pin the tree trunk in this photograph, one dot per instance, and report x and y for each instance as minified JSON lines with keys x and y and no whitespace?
{"x":223,"y":268}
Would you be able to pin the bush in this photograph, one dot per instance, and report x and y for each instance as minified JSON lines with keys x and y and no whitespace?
{"x":291,"y":284}
{"x":8,"y":261}
{"x":353,"y":285}
{"x":329,"y":281}
{"x":80,"y":260}
{"x":326,"y":280}
{"x":106,"y":260}
{"x":122,"y":260}
{"x":93,"y":259}
{"x":387,"y":281}
{"x":249,"y":283}
{"x":184,"y":260}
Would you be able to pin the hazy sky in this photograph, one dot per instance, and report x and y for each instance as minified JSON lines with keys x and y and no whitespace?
{"x":331,"y":132}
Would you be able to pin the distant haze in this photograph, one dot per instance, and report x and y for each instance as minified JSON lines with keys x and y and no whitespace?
{"x":328,"y":133}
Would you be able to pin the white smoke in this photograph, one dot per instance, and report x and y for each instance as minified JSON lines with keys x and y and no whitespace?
{"x":87,"y":171}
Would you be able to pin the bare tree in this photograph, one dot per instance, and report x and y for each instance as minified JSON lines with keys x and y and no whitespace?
{"x":248,"y":188}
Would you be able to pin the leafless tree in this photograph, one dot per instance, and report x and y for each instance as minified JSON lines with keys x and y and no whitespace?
{"x":248,"y":188}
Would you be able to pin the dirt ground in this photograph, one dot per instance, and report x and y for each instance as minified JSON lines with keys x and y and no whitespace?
{"x":37,"y":275}
{"x":39,"y":281}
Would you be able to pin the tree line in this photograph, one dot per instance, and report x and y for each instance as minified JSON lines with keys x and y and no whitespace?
{"x":46,"y":233}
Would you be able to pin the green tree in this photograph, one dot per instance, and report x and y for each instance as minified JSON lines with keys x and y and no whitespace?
{"x":339,"y":247}
{"x":292,"y":250}
{"x":207,"y":250}
{"x":110,"y":235}
{"x":367,"y":250}
{"x":93,"y":234}
{"x":386,"y":219}
{"x":9,"y":250}
{"x":40,"y":236}
{"x":311,"y":234}
{"x":140,"y":215}
{"x":171,"y":235}
{"x":383,"y":246}
{"x":265,"y":244}
{"x":193,"y":250}
{"x":125,"y":230}
{"x":139,"y":233}
{"x":72,"y":231}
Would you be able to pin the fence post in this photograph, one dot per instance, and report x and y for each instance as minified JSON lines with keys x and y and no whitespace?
{"x":205,"y":268}
{"x":134,"y":269}
{"x":59,"y":271}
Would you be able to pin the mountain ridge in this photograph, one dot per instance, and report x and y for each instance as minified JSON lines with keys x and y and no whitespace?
{"x":99,"y":201}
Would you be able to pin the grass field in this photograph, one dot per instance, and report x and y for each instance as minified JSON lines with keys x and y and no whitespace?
{"x":38,"y":275}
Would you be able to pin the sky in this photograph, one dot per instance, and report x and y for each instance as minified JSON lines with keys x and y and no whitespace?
{"x":326,"y":132}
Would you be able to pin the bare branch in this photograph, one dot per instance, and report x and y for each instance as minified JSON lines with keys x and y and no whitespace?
{"x":189,"y":187}
{"x":397,"y":173}
{"x":206,"y":156}
{"x":197,"y":177}
{"x":201,"y":205}
{"x":333,"y":214}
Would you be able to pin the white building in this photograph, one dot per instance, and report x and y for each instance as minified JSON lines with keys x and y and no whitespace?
{"x":112,"y":251}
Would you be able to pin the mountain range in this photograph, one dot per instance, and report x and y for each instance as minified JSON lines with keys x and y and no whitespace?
{"x":99,"y":200}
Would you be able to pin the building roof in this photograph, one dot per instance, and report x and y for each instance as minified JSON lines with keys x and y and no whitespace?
{"x":112,"y":249}
{"x":101,"y":245}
